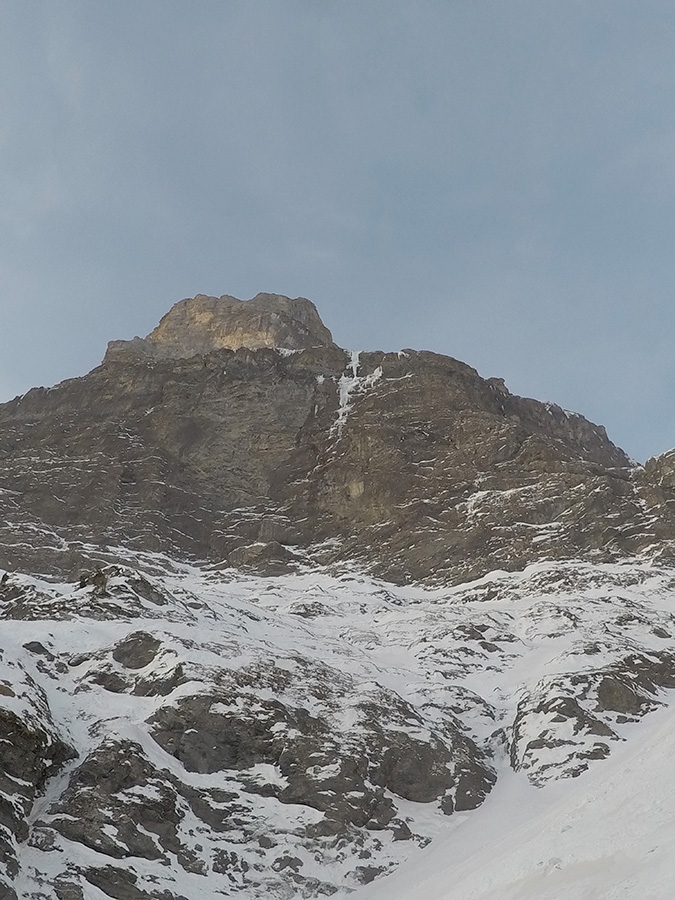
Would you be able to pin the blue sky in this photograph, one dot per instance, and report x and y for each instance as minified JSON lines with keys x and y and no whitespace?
{"x":490,"y":180}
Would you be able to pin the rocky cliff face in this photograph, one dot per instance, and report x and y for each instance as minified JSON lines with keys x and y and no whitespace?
{"x":264,"y":458}
{"x":273,"y":610}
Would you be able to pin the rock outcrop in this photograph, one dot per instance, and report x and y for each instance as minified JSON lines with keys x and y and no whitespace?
{"x":199,"y":325}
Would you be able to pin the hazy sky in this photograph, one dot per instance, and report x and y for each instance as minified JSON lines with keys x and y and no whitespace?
{"x":492,"y":180}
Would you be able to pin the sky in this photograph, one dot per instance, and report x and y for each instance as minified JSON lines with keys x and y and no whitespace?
{"x":493,"y":181}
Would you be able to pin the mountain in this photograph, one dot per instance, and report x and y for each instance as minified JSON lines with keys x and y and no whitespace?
{"x":408,"y":463}
{"x":277,"y":615}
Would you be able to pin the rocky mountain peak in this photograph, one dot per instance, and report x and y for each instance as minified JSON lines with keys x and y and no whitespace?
{"x":199,"y":325}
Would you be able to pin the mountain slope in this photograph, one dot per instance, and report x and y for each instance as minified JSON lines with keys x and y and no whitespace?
{"x":277,"y":617}
{"x":608,"y":836}
{"x":286,"y":736}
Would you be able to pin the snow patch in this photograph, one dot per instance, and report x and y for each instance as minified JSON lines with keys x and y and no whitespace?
{"x":352,"y":383}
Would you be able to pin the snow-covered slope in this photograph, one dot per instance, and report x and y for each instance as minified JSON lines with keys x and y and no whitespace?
{"x":211,"y":732}
{"x":608,"y":836}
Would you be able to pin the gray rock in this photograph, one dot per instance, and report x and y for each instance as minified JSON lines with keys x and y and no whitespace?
{"x":137,"y":650}
{"x":30,"y":752}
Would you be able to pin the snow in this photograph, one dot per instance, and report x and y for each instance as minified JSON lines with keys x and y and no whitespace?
{"x":487,"y":654}
{"x":606,"y":836}
{"x":351,"y":383}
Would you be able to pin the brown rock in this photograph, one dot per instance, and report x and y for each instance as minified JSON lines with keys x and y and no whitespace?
{"x":199,"y":325}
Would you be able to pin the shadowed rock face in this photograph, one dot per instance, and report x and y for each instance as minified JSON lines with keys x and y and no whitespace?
{"x":409,"y":463}
{"x":31,"y":751}
{"x":202,"y":324}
